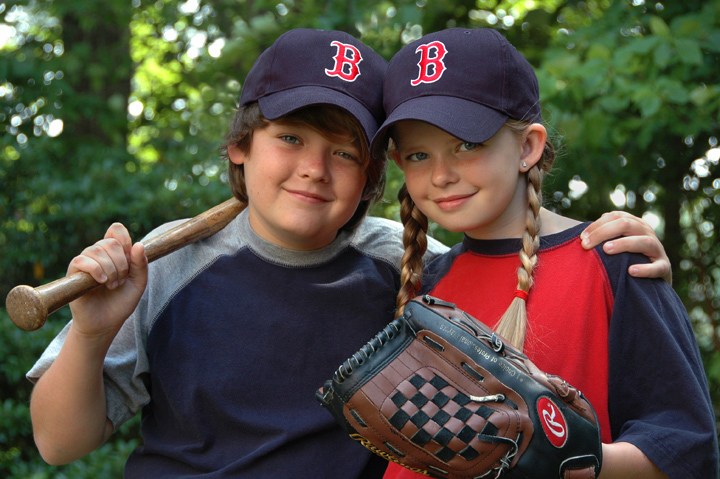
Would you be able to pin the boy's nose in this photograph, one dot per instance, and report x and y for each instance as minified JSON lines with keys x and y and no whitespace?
{"x":314,"y":165}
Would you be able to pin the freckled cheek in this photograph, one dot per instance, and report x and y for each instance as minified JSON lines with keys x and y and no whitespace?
{"x":415,"y":178}
{"x":416,"y":188}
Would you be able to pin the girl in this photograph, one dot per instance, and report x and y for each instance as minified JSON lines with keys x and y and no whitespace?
{"x":465,"y":119}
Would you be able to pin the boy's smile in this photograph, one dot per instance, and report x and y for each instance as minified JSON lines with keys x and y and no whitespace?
{"x":302,"y":186}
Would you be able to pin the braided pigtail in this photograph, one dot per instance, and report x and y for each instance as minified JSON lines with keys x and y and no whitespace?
{"x":513,"y":325}
{"x":415,"y":242}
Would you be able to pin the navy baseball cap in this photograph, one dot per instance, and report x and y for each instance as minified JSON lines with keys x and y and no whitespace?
{"x":465,"y":81}
{"x":305,"y":67}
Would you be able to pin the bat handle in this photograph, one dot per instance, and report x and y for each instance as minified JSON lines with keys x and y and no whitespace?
{"x":29,"y":307}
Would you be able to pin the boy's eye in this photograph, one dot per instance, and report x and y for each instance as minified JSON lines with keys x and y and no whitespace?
{"x":290,"y":139}
{"x":417,"y":156}
{"x":467,"y":146}
{"x":348,"y":156}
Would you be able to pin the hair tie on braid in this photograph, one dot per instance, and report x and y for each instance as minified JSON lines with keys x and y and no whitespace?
{"x":519,"y":293}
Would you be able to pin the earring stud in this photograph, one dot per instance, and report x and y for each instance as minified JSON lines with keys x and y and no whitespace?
{"x":524,"y":165}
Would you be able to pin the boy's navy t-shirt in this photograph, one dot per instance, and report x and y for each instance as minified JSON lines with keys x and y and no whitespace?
{"x":229,"y":343}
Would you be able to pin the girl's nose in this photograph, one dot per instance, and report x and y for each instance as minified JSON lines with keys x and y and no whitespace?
{"x":443,"y":172}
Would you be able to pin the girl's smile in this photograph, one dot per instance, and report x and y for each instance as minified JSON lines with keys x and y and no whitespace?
{"x":449,"y":203}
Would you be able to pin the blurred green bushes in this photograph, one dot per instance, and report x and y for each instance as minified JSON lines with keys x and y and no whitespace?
{"x":19,"y":458}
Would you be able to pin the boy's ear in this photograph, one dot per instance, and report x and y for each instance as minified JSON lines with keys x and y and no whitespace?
{"x":236,"y":155}
{"x":533,"y":145}
{"x":396,"y":157}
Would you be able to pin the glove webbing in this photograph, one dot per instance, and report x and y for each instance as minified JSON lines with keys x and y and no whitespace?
{"x":437,"y":393}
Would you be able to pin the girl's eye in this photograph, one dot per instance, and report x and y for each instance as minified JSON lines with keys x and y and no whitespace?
{"x":417,"y":156}
{"x":467,"y":146}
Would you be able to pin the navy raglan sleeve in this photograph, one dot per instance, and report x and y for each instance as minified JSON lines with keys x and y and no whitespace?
{"x":658,"y":392}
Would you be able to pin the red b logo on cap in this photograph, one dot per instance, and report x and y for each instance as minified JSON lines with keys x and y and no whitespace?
{"x":553,"y":422}
{"x":431,"y":67}
{"x":347,"y":60}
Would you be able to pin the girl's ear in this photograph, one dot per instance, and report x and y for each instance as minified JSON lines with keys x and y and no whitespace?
{"x":236,"y":154}
{"x":533,"y":145}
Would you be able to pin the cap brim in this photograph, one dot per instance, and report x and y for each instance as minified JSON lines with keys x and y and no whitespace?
{"x":464,"y":119}
{"x":279,"y":104}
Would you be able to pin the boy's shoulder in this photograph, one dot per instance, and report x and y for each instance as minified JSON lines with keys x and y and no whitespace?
{"x":169,"y":272}
{"x":379,"y":238}
{"x":382,"y":237}
{"x":373,"y":226}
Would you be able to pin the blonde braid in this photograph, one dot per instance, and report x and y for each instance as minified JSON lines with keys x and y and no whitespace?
{"x":531,"y":236}
{"x":513,"y":325}
{"x":415,"y":242}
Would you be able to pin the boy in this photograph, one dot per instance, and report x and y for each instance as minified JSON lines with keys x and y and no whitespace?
{"x":224,"y":365}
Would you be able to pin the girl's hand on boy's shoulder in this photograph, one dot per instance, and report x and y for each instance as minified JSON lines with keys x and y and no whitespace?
{"x":121,"y":270}
{"x":630,"y":234}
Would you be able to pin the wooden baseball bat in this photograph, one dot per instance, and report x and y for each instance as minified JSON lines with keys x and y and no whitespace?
{"x":29,"y":307}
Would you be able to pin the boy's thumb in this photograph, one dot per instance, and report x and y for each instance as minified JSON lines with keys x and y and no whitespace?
{"x":138,"y":273}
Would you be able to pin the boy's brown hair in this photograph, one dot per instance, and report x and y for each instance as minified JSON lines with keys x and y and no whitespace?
{"x":328,"y":120}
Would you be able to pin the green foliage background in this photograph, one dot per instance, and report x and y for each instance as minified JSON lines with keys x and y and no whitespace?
{"x":114,"y":111}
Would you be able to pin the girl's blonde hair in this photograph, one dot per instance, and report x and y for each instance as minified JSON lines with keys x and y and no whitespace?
{"x":513,"y":324}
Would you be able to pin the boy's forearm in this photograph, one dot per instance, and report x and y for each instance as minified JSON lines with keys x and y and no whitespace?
{"x":622,"y":460}
{"x":68,"y":408}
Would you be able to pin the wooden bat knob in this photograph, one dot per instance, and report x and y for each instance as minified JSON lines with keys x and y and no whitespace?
{"x":26,"y":308}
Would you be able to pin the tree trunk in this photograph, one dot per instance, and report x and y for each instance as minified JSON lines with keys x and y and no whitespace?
{"x":99,"y":44}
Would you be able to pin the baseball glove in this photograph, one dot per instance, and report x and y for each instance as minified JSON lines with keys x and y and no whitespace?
{"x":441,"y":394}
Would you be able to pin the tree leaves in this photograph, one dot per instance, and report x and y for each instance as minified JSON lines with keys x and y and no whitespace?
{"x":632,"y":91}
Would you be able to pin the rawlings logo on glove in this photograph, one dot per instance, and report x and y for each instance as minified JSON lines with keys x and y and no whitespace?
{"x":441,"y":394}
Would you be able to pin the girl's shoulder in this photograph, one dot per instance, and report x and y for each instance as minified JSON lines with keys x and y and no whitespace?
{"x":553,"y":223}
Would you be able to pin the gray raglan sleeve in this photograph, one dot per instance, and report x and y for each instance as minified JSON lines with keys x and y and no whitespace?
{"x":123,"y":371}
{"x":382,"y":238}
{"x":126,"y":366}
